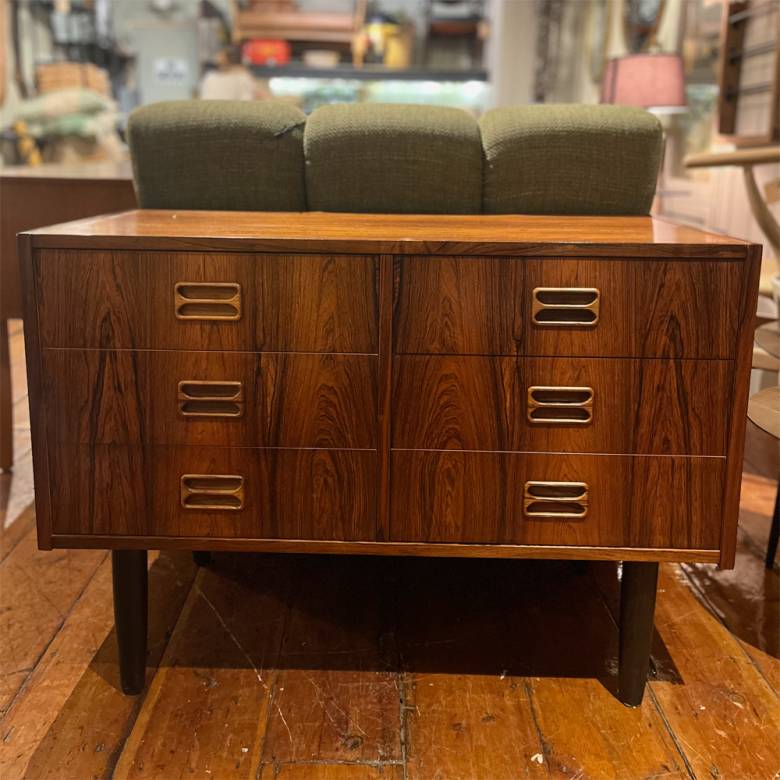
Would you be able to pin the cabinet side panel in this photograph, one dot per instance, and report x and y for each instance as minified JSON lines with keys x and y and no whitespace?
{"x":388,"y":267}
{"x":739,"y":401}
{"x":32,"y":347}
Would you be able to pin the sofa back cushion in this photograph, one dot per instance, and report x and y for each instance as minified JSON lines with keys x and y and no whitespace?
{"x":393,"y":159}
{"x":583,"y":159}
{"x":218,"y":154}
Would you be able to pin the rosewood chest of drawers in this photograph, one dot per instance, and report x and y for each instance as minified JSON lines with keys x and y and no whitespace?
{"x":465,"y":386}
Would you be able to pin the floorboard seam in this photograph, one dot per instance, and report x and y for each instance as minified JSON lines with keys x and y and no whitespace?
{"x":183,"y":616}
{"x":402,"y":683}
{"x":672,"y":735}
{"x":292,"y":595}
{"x":705,"y":601}
{"x":545,"y":745}
{"x":377,"y":763}
{"x":24,"y":533}
{"x":648,"y":687}
{"x":25,"y":683}
{"x":113,"y":759}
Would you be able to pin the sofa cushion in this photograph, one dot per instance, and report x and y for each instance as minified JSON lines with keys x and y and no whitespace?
{"x":218,"y":154}
{"x":570,"y":160}
{"x":393,"y":159}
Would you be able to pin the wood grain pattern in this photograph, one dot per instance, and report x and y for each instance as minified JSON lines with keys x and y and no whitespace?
{"x":224,"y":703}
{"x":331,"y":772}
{"x":480,"y":234}
{"x":562,"y":678}
{"x":483,"y":306}
{"x":316,"y":494}
{"x":406,"y":549}
{"x":37,"y":591}
{"x":724,"y":703}
{"x":739,"y":404}
{"x":96,"y":396}
{"x":290,"y":400}
{"x":91,"y":726}
{"x":746,"y":599}
{"x":336,"y":696}
{"x":457,"y":402}
{"x":100,"y":489}
{"x":315,"y":303}
{"x":324,"y":401}
{"x":668,"y":293}
{"x":476,"y":307}
{"x":458,"y":305}
{"x":467,"y":714}
{"x":532,"y":608}
{"x":56,"y":674}
{"x":492,"y":685}
{"x":385,"y":395}
{"x":90,"y":299}
{"x":6,"y":402}
{"x":639,"y":501}
{"x":660,"y":407}
{"x":471,"y":726}
{"x":290,"y":303}
{"x":33,"y":348}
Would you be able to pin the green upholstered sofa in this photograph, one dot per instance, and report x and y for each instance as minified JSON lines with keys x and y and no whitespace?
{"x":268,"y":156}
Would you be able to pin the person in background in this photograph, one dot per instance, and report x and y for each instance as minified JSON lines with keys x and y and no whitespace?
{"x":231,"y":80}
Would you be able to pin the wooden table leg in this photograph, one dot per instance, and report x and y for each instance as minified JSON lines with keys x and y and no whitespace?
{"x":202,"y":558}
{"x":637,"y":607}
{"x":774,"y":532}
{"x":6,"y":401}
{"x":130,"y":615}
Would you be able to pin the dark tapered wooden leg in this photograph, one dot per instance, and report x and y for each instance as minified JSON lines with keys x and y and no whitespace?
{"x":774,"y":533}
{"x":637,"y":606}
{"x":202,"y":558}
{"x":130,"y":615}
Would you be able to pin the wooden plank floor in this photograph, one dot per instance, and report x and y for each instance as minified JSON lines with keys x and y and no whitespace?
{"x":326,"y":668}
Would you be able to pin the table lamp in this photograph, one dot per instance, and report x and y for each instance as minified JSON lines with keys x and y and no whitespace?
{"x":652,"y":81}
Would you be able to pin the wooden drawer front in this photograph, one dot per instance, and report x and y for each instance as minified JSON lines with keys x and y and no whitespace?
{"x":557,"y":307}
{"x":218,"y":398}
{"x":630,"y":501}
{"x":91,"y":298}
{"x":457,"y":402}
{"x":647,"y":308}
{"x":295,"y":494}
{"x":458,"y":305}
{"x":308,"y":303}
{"x":651,"y":406}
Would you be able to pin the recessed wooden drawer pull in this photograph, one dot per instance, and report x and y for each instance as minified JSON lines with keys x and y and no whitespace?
{"x":563,"y":500}
{"x":211,"y":399}
{"x":566,"y":306}
{"x":560,"y":405}
{"x":207,"y":301}
{"x":212,"y":491}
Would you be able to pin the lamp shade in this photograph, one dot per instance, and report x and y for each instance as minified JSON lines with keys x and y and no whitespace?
{"x":645,"y":80}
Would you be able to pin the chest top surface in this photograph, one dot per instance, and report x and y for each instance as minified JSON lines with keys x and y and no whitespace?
{"x":510,"y":235}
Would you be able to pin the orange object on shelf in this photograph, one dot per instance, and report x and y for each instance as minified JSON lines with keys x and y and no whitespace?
{"x":265,"y":51}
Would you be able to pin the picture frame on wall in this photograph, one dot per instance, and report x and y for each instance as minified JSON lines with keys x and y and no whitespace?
{"x":749,"y":79}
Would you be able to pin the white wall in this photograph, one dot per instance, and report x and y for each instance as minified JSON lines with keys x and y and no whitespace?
{"x":511,"y":51}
